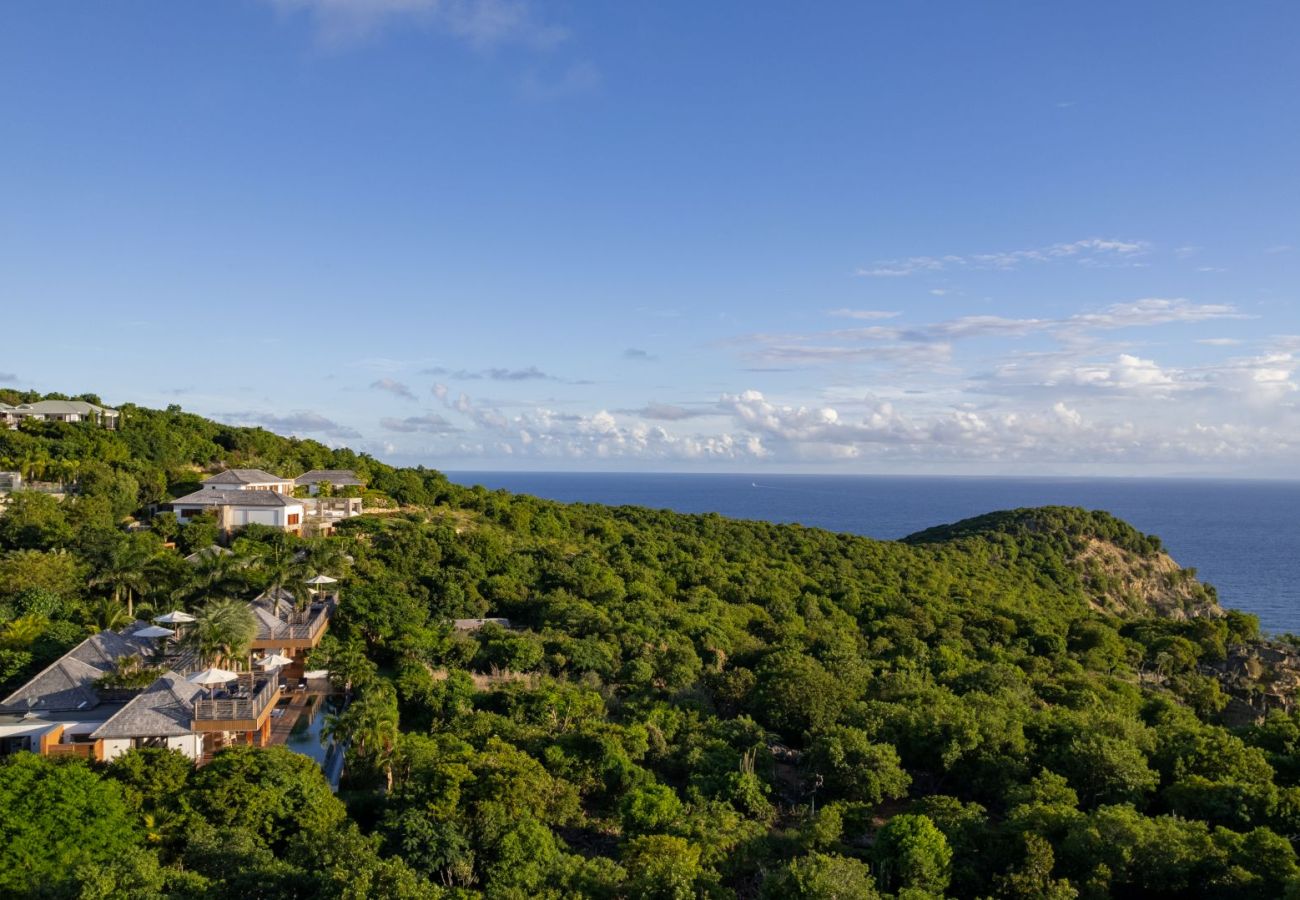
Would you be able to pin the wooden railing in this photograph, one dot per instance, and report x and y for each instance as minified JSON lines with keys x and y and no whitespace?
{"x":307,"y":631}
{"x":243,"y":709}
{"x":90,"y":750}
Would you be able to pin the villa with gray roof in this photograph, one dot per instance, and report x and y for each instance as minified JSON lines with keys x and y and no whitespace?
{"x":236,"y":508}
{"x":70,"y":708}
{"x":328,"y":492}
{"x":248,"y":480}
{"x":242,"y":497}
{"x":59,"y":411}
{"x":162,"y":715}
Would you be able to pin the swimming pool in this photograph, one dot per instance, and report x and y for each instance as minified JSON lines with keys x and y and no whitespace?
{"x":305,"y":738}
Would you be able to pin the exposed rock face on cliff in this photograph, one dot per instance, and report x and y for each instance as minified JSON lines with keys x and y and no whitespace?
{"x":1128,"y":583}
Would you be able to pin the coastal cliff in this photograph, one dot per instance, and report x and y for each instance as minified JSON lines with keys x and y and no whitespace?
{"x":1117,"y":568}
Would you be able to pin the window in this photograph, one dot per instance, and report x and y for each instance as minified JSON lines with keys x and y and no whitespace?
{"x":293,"y":518}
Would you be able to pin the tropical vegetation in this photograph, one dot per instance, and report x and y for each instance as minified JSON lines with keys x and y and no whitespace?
{"x":1019,"y":706}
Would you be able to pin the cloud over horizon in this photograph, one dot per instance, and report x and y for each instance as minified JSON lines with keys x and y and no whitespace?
{"x":295,"y":423}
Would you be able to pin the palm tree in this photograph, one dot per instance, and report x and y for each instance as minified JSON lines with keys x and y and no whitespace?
{"x":126,"y":571}
{"x":327,"y":557}
{"x":215,"y":575}
{"x":370,"y":727}
{"x":23,"y":631}
{"x":223,"y":630}
{"x":108,"y":614}
{"x":282,"y":568}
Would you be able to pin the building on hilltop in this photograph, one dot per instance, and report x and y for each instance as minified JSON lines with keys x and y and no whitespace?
{"x":235,"y":508}
{"x":59,"y":411}
{"x":327,"y":491}
{"x":248,"y":480}
{"x":337,"y":479}
{"x":242,"y":497}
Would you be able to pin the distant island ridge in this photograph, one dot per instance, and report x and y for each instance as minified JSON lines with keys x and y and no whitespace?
{"x":1240,"y":535}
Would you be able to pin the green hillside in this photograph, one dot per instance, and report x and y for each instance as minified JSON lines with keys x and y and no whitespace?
{"x":1019,"y":705}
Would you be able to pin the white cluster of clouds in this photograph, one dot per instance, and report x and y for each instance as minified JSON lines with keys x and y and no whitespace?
{"x":548,"y":433}
{"x":1263,"y":379}
{"x":749,"y":426}
{"x":1123,"y":386}
{"x":1055,"y":433}
{"x":1086,"y":401}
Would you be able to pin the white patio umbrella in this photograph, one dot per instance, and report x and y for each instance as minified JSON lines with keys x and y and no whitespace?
{"x":154,"y":631}
{"x":274,"y":661}
{"x":209,"y":677}
{"x":175,"y":617}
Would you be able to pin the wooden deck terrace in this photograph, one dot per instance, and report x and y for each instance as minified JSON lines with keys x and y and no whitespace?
{"x":276,"y":728}
{"x":299,"y":636}
{"x":299,"y":703}
{"x":238,"y":714}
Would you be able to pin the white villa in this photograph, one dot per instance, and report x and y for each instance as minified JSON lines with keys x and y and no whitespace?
{"x":237,"y":508}
{"x":248,"y":480}
{"x":65,"y":710}
{"x":242,"y":497}
{"x":59,"y":411}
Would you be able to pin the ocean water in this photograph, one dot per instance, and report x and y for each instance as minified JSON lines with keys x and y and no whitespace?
{"x":1241,"y":536}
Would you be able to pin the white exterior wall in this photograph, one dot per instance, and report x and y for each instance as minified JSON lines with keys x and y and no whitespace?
{"x":231,"y":517}
{"x":115,"y":747}
{"x":284,"y":487}
{"x":277,"y":516}
{"x":189,"y":744}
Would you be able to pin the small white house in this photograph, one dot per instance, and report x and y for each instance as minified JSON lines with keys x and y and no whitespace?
{"x":59,"y":411}
{"x":248,"y":480}
{"x":237,"y":508}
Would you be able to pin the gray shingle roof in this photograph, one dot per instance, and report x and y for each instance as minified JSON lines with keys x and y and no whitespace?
{"x":217,"y":497}
{"x":268,"y":624}
{"x":271,"y":608}
{"x":336,"y":477}
{"x":164,"y":709}
{"x":69,"y":682}
{"x":104,"y":649}
{"x":243,"y":476}
{"x":61,"y":408}
{"x":65,"y":684}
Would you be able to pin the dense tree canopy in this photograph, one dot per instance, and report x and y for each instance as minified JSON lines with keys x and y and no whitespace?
{"x":1019,"y":705}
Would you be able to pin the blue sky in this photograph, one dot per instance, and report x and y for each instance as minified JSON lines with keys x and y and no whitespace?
{"x":861,"y":237}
